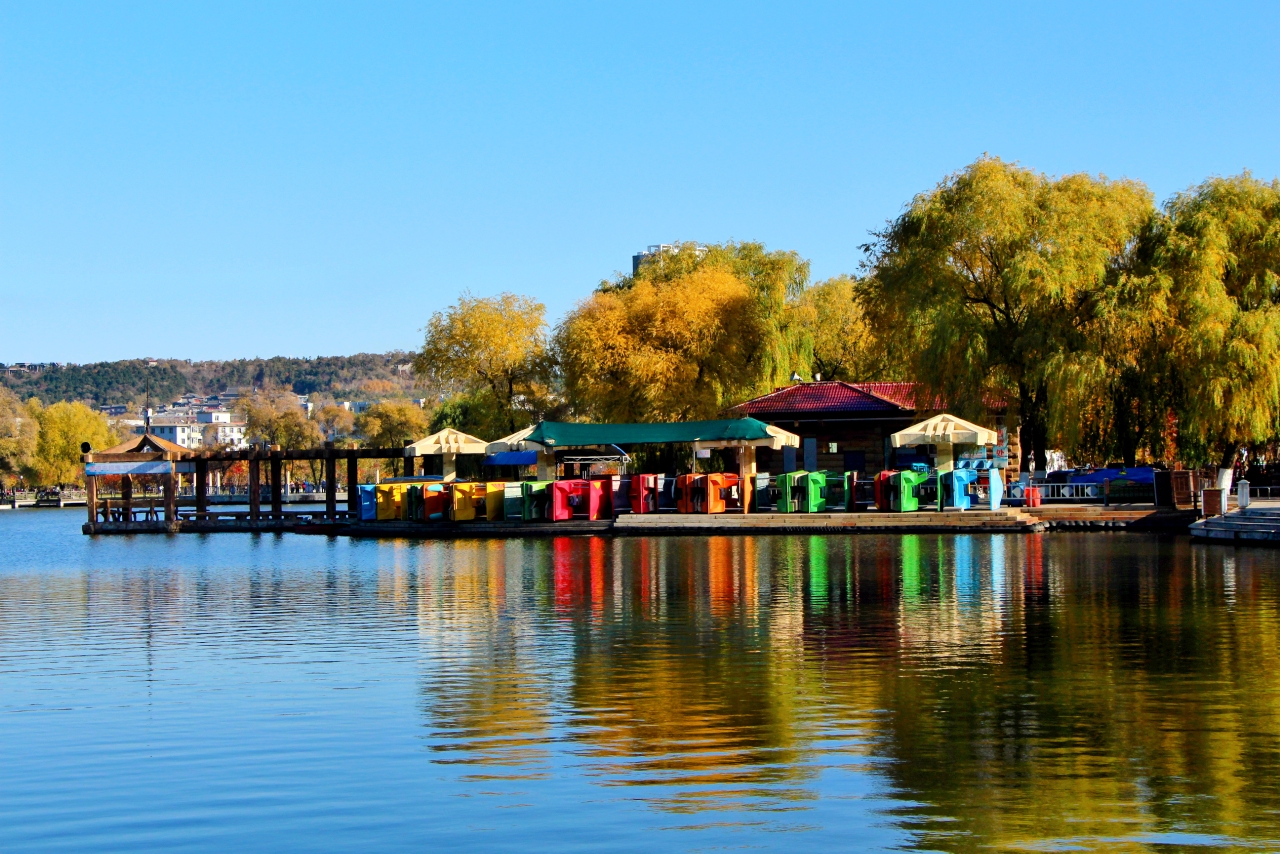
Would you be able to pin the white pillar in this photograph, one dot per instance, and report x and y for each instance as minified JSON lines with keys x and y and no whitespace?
{"x":546,"y":465}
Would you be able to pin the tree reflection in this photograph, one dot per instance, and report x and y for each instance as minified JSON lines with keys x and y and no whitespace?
{"x":1014,"y":689}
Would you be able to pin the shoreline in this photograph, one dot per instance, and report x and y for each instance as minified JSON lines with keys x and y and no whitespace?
{"x":1009,"y":520}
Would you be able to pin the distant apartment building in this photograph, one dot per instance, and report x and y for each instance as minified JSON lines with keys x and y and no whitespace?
{"x":219,"y":429}
{"x":180,"y":431}
{"x":207,"y":429}
{"x":658,"y":250}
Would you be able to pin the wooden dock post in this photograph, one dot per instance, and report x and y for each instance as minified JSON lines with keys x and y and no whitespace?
{"x":277,"y":502}
{"x":126,"y":497}
{"x":170,"y":484}
{"x":90,"y":494}
{"x":330,"y":482}
{"x":255,"y":487}
{"x":353,"y":484}
{"x":202,"y":487}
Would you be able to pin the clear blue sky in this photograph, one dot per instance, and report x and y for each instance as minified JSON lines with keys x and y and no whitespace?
{"x":224,"y":181}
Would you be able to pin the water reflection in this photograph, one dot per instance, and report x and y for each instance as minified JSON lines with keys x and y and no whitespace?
{"x":1012,"y":690}
{"x":1036,"y":691}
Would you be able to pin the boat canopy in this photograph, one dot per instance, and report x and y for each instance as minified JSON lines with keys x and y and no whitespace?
{"x":724,"y":433}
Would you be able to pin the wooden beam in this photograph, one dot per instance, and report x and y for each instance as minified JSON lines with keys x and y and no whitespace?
{"x":126,"y":495}
{"x":255,"y":488}
{"x":330,"y":481}
{"x":169,"y":482}
{"x":202,"y":485}
{"x":353,"y":484}
{"x":277,"y":499}
{"x":125,"y":458}
{"x":91,"y":499}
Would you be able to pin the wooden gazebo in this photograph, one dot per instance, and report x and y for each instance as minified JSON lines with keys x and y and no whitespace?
{"x":142,"y":456}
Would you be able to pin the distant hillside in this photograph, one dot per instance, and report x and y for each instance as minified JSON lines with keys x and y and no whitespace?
{"x":108,"y":383}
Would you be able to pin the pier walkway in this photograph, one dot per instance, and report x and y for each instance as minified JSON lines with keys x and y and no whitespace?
{"x":1006,"y":520}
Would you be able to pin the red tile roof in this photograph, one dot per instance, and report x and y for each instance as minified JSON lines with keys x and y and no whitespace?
{"x":834,"y":396}
{"x":839,"y":396}
{"x":903,"y":394}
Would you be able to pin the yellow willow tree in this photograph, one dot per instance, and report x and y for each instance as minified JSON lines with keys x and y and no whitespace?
{"x":1221,"y":253}
{"x":845,"y":345}
{"x":18,"y":431}
{"x":991,"y":282}
{"x":676,"y":349}
{"x":63,"y":427}
{"x":775,"y":280}
{"x":491,"y":353}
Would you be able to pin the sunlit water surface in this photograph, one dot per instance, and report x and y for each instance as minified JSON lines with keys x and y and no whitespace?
{"x":1058,"y":691}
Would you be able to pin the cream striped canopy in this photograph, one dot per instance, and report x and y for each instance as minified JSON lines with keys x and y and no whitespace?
{"x":943,"y":429}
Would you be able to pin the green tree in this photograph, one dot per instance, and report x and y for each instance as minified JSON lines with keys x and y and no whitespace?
{"x":1221,"y":253}
{"x":476,"y":413}
{"x":19,"y":429}
{"x":492,"y":350}
{"x":992,"y":282}
{"x":63,"y":427}
{"x":390,"y":423}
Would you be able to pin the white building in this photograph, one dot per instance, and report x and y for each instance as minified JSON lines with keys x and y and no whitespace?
{"x":180,"y":431}
{"x":219,"y":429}
{"x":208,"y":429}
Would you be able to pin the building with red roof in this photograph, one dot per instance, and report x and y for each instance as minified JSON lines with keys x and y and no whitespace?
{"x":843,"y":426}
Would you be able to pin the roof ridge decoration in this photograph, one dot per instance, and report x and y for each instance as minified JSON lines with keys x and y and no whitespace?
{"x":447,"y":441}
{"x":144,"y":444}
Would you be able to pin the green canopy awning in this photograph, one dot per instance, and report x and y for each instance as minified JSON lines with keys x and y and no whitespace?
{"x":561,"y":434}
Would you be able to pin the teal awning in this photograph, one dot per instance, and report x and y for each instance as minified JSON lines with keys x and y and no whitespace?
{"x":562,"y":434}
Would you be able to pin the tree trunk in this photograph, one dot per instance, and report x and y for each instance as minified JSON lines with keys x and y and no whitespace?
{"x":1034,"y":429}
{"x":1126,"y":434}
{"x":1226,"y":465}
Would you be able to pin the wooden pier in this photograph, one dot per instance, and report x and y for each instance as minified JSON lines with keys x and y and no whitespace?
{"x":150,"y":456}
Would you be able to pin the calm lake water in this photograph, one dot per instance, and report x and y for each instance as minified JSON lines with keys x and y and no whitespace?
{"x":292,"y":693}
